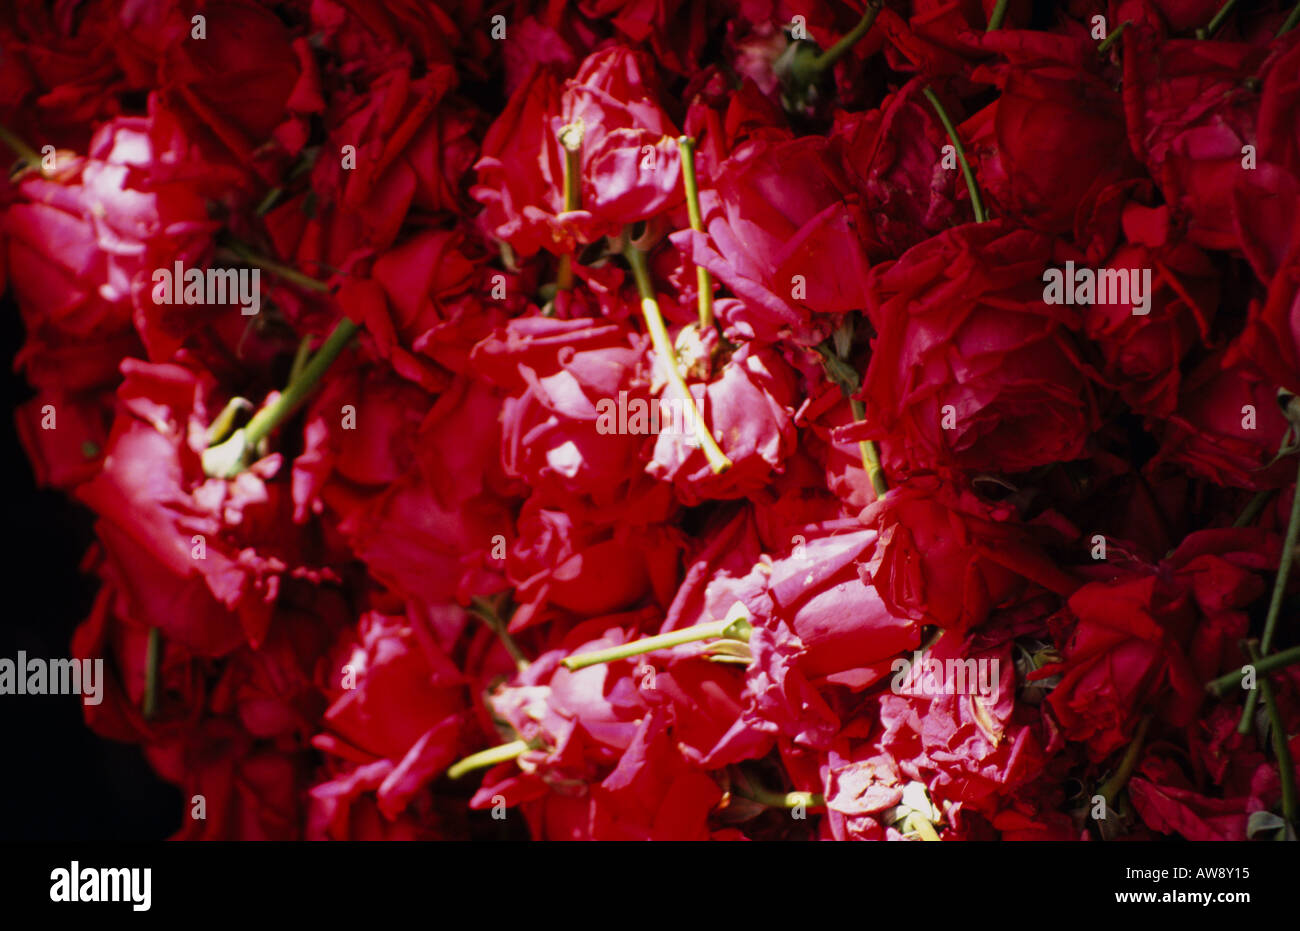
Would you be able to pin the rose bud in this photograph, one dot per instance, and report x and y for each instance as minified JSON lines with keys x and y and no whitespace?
{"x":236,"y":88}
{"x":422,"y":305}
{"x":1269,"y":339}
{"x":1201,"y":130}
{"x":438,"y":533}
{"x":83,"y":247}
{"x":342,"y":806}
{"x":847,"y":630}
{"x":1169,"y":803}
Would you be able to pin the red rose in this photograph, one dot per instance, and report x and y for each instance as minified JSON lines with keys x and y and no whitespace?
{"x":430,"y":535}
{"x":1143,"y":347}
{"x":249,"y":791}
{"x":1227,"y":427}
{"x":630,"y":169}
{"x":422,"y":305}
{"x":174,"y":536}
{"x":1123,"y":657}
{"x":945,"y":557}
{"x":587,"y":569}
{"x":1054,"y":136}
{"x":398,"y":698}
{"x":788,"y":234}
{"x":971,"y":368}
{"x":749,"y":409}
{"x":891,"y":153}
{"x":571,"y":382}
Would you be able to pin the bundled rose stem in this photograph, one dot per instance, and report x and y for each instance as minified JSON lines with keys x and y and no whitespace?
{"x":783,"y":799}
{"x":300,"y":357}
{"x":703,"y":280}
{"x":1284,"y":567}
{"x":246,"y":255}
{"x":1252,"y":509}
{"x":999,"y":14}
{"x":269,"y":417}
{"x":489,"y":757}
{"x":1289,"y":23}
{"x":1275,"y":604}
{"x":1110,"y":40}
{"x":1270,"y":663}
{"x":921,"y":825}
{"x":730,"y":630}
{"x":841,"y":48}
{"x":1285,"y":766}
{"x":571,"y":142}
{"x":153,"y":657}
{"x":21,"y":149}
{"x":487,"y":613}
{"x":654,"y":322}
{"x":1115,"y":784}
{"x":1217,"y":21}
{"x":224,"y":422}
{"x":870,"y":453}
{"x":229,"y":458}
{"x":977,"y":206}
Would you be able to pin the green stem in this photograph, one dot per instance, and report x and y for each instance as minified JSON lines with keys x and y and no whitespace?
{"x":1215,"y":23}
{"x":870,"y":453}
{"x":153,"y":657}
{"x":228,"y":459}
{"x":1112,"y":786}
{"x":224,"y":422}
{"x":485,"y":612}
{"x":1281,"y":749}
{"x":300,"y":357}
{"x":703,"y":280}
{"x":1107,"y":42}
{"x":571,"y":142}
{"x":1270,"y":663}
{"x":1252,"y":509}
{"x":270,"y":417}
{"x":921,"y":825}
{"x":1290,"y":22}
{"x":784,"y":799}
{"x":249,"y":257}
{"x":976,"y":204}
{"x":999,"y":14}
{"x":663,"y":346}
{"x":841,"y":48}
{"x":490,"y":757}
{"x":269,"y":201}
{"x":1284,"y":567}
{"x":731,"y":630}
{"x":21,"y":148}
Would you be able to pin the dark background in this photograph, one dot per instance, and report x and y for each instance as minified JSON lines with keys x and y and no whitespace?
{"x":58,"y":780}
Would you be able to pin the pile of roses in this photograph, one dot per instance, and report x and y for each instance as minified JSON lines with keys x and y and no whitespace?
{"x":381,"y":561}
